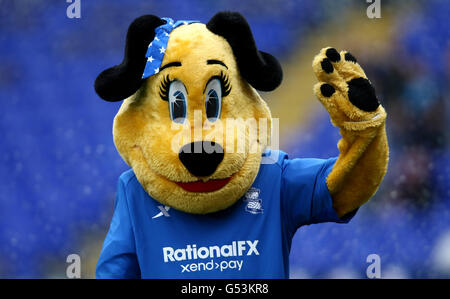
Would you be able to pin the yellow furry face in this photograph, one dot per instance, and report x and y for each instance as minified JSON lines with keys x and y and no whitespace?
{"x":150,"y":141}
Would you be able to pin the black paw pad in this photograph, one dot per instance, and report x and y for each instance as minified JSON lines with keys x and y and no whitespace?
{"x":362,"y":94}
{"x":350,"y":57}
{"x":333,"y":55}
{"x":327,"y":66}
{"x":327,"y":90}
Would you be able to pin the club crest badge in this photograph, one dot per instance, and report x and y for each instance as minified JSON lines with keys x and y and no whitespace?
{"x":254,"y":203}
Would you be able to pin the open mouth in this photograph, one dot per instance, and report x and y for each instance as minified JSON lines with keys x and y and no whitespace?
{"x":200,"y":186}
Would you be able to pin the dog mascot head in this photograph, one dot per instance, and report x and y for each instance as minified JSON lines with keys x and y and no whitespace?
{"x":187,"y":89}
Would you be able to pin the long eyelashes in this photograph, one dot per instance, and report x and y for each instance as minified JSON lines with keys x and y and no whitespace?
{"x":223,"y":78}
{"x":225,"y":83}
{"x":164,"y":88}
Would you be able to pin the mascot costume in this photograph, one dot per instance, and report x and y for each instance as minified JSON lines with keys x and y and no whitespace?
{"x":191,"y":206}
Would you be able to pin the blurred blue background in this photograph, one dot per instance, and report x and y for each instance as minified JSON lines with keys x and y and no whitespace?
{"x":60,"y":167}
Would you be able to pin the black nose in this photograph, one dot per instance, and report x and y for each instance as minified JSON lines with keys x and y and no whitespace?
{"x":201,"y":158}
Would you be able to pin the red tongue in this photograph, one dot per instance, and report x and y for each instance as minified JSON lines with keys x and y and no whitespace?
{"x":200,"y":186}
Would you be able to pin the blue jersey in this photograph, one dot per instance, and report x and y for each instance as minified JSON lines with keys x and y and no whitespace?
{"x":250,"y":239}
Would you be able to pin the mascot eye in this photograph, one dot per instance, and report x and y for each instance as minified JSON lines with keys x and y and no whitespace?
{"x":177,"y":101}
{"x":213,"y":100}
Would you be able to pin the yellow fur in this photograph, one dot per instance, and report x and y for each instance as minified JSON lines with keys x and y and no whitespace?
{"x":144,"y":133}
{"x":363,"y":158}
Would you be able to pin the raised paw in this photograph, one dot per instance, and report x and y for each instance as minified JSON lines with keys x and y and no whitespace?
{"x":343,"y":87}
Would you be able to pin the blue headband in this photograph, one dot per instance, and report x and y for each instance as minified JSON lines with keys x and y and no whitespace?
{"x":158,"y":46}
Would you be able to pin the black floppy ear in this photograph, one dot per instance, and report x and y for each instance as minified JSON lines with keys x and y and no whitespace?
{"x":260,"y":69}
{"x":123,"y":80}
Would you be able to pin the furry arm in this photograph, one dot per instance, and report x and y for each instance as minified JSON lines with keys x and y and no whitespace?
{"x":350,"y":99}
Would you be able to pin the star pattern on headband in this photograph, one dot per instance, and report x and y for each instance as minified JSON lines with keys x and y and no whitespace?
{"x":158,"y":46}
